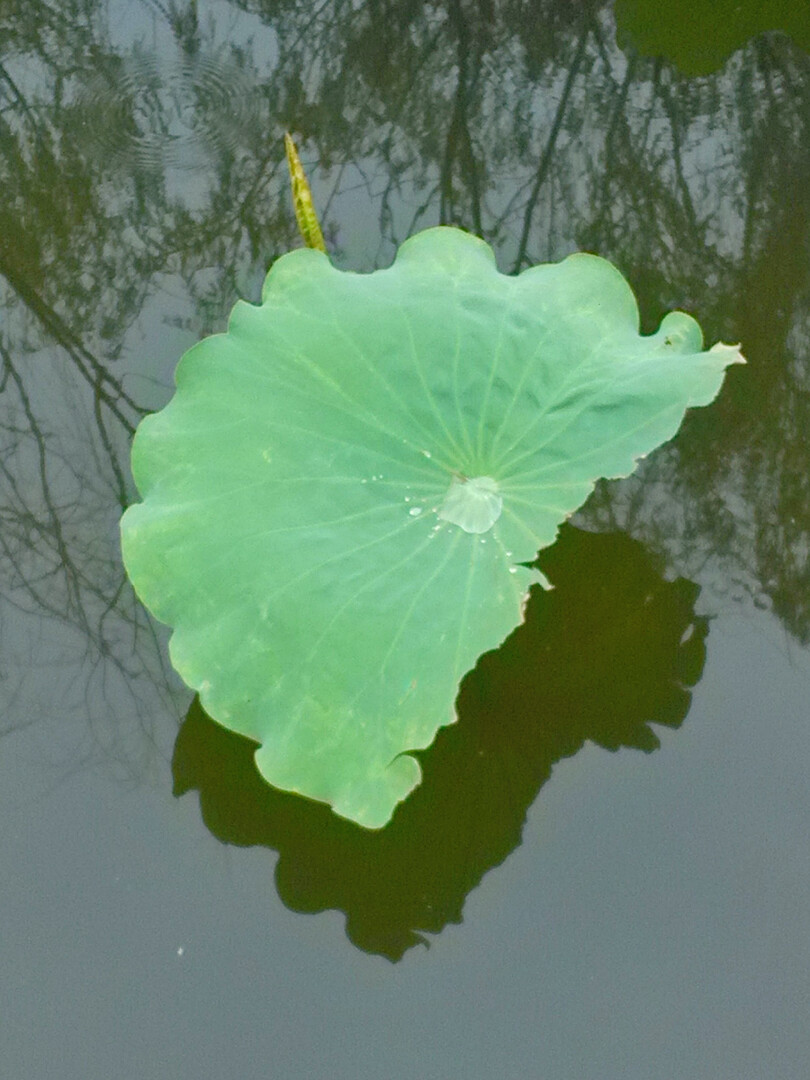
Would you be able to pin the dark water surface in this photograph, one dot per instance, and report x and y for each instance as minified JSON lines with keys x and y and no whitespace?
{"x":606,"y":872}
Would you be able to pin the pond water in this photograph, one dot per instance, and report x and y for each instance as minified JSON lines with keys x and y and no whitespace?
{"x":606,"y":872}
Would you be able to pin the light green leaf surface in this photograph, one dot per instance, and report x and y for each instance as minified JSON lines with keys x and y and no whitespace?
{"x":338,"y":497}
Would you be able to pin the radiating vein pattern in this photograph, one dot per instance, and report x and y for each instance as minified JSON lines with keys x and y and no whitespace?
{"x":339,"y":498}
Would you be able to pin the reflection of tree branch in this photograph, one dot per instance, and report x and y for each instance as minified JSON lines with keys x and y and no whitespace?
{"x":616,"y":130}
{"x":459,"y":141}
{"x":91,"y":369}
{"x":18,"y":95}
{"x":160,"y":8}
{"x":546,"y":157}
{"x":54,"y":526}
{"x":112,"y":452}
{"x":78,"y":585}
{"x":677,"y":160}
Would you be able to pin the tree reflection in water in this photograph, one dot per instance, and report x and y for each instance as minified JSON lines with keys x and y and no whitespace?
{"x":537,"y":132}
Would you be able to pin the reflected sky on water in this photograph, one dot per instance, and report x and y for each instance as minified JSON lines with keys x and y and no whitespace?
{"x":595,"y":905}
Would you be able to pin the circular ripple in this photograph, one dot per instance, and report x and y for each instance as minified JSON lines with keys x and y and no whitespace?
{"x":150,"y":112}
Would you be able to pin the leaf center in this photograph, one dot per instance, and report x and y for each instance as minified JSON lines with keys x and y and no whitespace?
{"x":475,"y":505}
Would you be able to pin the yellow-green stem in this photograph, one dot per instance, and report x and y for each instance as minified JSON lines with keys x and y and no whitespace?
{"x":305,"y":215}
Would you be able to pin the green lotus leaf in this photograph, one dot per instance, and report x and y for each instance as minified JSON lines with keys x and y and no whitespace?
{"x":338,"y":499}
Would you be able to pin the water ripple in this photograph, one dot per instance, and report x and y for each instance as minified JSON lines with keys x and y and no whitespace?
{"x":151,"y":112}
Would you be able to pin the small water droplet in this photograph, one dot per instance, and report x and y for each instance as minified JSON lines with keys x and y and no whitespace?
{"x":414,"y":510}
{"x":512,"y":569}
{"x":407,"y":498}
{"x":427,"y":453}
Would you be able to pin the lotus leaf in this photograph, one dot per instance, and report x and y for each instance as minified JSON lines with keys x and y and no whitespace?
{"x":340,"y":497}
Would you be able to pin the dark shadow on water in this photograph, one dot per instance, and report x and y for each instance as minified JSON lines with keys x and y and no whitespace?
{"x":611,"y":649}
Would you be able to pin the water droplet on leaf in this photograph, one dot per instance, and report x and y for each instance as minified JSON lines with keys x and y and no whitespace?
{"x":474,"y":505}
